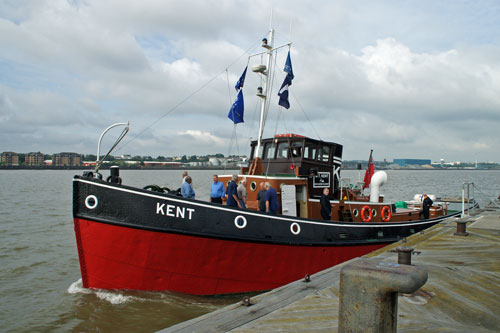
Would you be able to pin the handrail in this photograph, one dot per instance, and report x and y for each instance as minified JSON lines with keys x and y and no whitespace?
{"x":468,"y":197}
{"x":122,"y":135}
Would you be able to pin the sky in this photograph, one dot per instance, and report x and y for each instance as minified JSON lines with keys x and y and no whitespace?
{"x":408,"y":79}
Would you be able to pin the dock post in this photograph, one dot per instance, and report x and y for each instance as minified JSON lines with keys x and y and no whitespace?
{"x":404,"y":255}
{"x":462,"y":226}
{"x":369,"y":294}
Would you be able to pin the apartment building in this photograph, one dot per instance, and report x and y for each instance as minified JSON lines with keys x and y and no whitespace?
{"x":10,"y":158}
{"x":34,"y":159}
{"x":66,"y":159}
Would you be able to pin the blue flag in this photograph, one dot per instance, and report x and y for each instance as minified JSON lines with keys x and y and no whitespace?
{"x":236,"y":112}
{"x":241,"y":81}
{"x":283,"y":93}
{"x":288,"y":65}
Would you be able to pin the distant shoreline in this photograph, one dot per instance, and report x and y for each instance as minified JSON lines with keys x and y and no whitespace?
{"x":24,"y":167}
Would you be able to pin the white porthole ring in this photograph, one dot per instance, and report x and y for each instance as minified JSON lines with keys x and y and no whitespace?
{"x":88,"y":204}
{"x":295,"y":228}
{"x":237,"y":220}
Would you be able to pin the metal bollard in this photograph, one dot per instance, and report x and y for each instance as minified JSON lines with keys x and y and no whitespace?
{"x":461,"y":226}
{"x":404,"y":255}
{"x":369,"y":294}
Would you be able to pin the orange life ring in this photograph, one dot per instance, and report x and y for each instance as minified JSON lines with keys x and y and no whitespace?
{"x":369,"y":217}
{"x":386,"y":213}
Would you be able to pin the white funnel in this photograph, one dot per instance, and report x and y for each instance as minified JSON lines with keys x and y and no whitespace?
{"x":378,"y":179}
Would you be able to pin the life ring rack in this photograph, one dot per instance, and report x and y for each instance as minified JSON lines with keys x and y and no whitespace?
{"x":386,"y":213}
{"x":363,"y":213}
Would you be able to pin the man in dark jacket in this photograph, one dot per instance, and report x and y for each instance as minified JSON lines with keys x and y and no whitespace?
{"x":232,"y":193}
{"x":426,"y":205}
{"x":261,"y":197}
{"x":326,"y":207}
{"x":272,"y":204}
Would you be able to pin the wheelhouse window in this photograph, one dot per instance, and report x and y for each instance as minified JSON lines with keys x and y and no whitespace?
{"x":324,"y":154}
{"x":310,"y":151}
{"x":282,"y":150}
{"x":269,"y":150}
{"x":296,"y":148}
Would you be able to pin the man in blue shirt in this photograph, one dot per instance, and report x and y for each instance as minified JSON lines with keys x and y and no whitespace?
{"x":232,"y":193}
{"x":272,"y":204}
{"x":217,"y":190}
{"x":186,"y":188}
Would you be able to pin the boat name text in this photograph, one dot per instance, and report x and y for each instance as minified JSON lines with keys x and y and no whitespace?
{"x":174,"y":211}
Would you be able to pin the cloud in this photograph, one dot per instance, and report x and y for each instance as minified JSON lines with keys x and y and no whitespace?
{"x":202,"y":138}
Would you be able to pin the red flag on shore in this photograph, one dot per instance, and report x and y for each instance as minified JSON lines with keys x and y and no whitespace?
{"x":370,"y":170}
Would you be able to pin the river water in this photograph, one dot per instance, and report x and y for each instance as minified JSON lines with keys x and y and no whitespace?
{"x":40,"y":286}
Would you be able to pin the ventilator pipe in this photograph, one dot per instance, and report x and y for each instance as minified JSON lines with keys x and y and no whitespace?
{"x":378,"y":179}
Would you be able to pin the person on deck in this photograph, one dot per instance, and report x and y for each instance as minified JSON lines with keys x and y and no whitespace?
{"x":184,"y":175}
{"x":187,"y":189}
{"x":242,"y":193}
{"x":261,"y":197}
{"x":426,"y":205}
{"x":217,"y":190}
{"x":326,"y":206}
{"x":232,"y":193}
{"x":272,"y":204}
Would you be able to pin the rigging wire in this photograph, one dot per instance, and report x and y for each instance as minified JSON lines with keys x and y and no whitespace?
{"x":268,"y":102}
{"x":290,"y":91}
{"x":234,"y":125}
{"x":189,"y":96}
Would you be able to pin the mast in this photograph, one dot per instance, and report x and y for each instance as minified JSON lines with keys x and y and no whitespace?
{"x":262,"y":93}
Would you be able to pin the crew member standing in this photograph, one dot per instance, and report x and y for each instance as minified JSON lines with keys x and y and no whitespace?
{"x":184,"y":175}
{"x":217,"y":190}
{"x":232,"y":193}
{"x":272,"y":204}
{"x":187,"y":188}
{"x":426,"y":205}
{"x":242,"y":193}
{"x":326,"y":206}
{"x":261,"y":197}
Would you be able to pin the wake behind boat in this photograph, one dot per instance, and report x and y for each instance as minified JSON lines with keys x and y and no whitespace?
{"x":135,"y":238}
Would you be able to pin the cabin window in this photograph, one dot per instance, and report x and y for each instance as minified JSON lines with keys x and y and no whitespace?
{"x":310,"y":152}
{"x":324,"y":154}
{"x":269,"y":150}
{"x":296,"y":148}
{"x":282,"y":150}
{"x":251,"y":154}
{"x":253,"y":186}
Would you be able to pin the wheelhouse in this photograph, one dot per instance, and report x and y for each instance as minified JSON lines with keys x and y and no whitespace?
{"x":299,"y":156}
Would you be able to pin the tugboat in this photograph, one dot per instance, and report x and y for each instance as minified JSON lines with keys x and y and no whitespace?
{"x":151,"y":239}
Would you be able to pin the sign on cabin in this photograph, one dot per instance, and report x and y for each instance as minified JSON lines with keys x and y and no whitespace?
{"x":321,"y":180}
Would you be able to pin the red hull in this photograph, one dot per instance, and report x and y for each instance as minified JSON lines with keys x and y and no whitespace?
{"x":114,"y":257}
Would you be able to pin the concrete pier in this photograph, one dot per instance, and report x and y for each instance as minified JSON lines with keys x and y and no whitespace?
{"x":462,"y":292}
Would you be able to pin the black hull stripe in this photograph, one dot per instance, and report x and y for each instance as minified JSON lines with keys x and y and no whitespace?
{"x":239,"y":239}
{"x":274,"y":217}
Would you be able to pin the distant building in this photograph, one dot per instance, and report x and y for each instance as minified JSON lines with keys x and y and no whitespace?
{"x":66,"y":159}
{"x":89,"y":163}
{"x":10,"y":158}
{"x":34,"y":159}
{"x":161,"y":164}
{"x":410,"y":161}
{"x":214,"y":161}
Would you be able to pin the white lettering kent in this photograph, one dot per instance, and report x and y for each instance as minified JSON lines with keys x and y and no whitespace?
{"x":174,"y":211}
